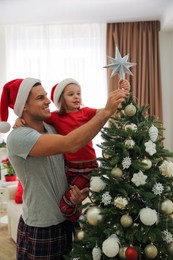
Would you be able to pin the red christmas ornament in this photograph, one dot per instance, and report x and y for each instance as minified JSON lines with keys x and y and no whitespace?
{"x":131,"y":253}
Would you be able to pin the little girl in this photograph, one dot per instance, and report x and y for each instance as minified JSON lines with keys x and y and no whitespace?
{"x":70,"y":115}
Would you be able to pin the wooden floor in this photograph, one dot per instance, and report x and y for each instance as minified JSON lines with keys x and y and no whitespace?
{"x":7,"y":245}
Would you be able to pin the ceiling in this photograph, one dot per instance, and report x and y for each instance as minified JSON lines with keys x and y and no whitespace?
{"x":84,"y":11}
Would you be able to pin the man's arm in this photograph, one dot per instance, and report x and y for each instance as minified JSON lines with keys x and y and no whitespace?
{"x":48,"y":144}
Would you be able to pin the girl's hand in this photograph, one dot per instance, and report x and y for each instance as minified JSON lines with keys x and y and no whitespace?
{"x":19,"y":123}
{"x":77,"y":195}
{"x":124,"y":84}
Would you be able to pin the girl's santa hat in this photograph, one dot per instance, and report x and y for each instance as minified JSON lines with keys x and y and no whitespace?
{"x":58,"y":89}
{"x":14,"y":95}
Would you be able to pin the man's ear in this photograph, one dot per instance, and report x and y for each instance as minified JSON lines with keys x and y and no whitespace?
{"x":24,"y":109}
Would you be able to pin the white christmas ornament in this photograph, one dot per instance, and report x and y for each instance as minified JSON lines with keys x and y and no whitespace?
{"x":94,"y":216}
{"x":150,"y":147}
{"x":153,"y":133}
{"x":129,"y":143}
{"x":110,"y":246}
{"x":97,"y":184}
{"x":132,"y":127}
{"x":130,"y":110}
{"x":139,"y":178}
{"x":148,"y":216}
{"x":167,"y":206}
{"x":166,"y":168}
{"x":120,"y":202}
{"x":96,"y":253}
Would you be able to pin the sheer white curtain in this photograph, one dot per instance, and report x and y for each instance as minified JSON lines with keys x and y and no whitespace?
{"x":55,"y":52}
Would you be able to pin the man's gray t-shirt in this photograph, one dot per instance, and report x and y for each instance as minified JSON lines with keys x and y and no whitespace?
{"x":43,"y":178}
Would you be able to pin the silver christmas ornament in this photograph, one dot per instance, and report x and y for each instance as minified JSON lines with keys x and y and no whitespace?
{"x":120,"y":65}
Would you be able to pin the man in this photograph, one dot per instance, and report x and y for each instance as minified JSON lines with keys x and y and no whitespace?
{"x":36,"y":154}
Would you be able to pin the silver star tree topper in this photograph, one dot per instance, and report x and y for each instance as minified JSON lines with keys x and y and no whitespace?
{"x":120,"y":65}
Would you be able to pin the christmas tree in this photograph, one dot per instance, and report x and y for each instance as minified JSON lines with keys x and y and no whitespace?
{"x":129,"y":211}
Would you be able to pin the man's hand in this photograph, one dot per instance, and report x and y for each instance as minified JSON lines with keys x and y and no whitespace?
{"x":77,"y":195}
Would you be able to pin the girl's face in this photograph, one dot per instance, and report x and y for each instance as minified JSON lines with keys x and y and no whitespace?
{"x":72,"y":97}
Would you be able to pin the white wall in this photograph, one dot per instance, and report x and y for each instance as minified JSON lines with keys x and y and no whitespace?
{"x":166,"y":55}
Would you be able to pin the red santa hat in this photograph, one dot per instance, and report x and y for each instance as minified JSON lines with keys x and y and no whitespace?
{"x":58,"y":89}
{"x":14,"y":95}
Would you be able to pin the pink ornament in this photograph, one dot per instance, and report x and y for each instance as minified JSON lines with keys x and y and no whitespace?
{"x":131,"y":253}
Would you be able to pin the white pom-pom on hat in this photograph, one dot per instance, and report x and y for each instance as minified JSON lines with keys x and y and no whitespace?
{"x":4,"y":127}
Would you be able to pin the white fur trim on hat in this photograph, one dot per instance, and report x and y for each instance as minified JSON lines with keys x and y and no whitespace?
{"x":23,"y":94}
{"x":60,"y":87}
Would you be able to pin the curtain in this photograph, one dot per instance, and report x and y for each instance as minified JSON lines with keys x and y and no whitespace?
{"x":54,"y":52}
{"x":141,"y":41}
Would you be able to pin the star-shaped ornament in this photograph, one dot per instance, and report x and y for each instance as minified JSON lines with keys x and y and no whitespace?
{"x":120,"y":65}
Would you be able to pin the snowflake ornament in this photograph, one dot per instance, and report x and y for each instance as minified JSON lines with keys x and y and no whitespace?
{"x":150,"y":147}
{"x":139,"y":178}
{"x":158,"y":188}
{"x":126,"y":162}
{"x":106,"y":198}
{"x":167,"y":236}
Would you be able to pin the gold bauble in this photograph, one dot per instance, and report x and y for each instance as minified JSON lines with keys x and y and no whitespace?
{"x":122,"y":252}
{"x":116,"y":172}
{"x":106,"y":155}
{"x":151,"y":251}
{"x":81,"y":235}
{"x":126,"y":221}
{"x":130,"y":110}
{"x":167,"y":206}
{"x":147,"y":163}
{"x":170,"y":248}
{"x":93,"y":215}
